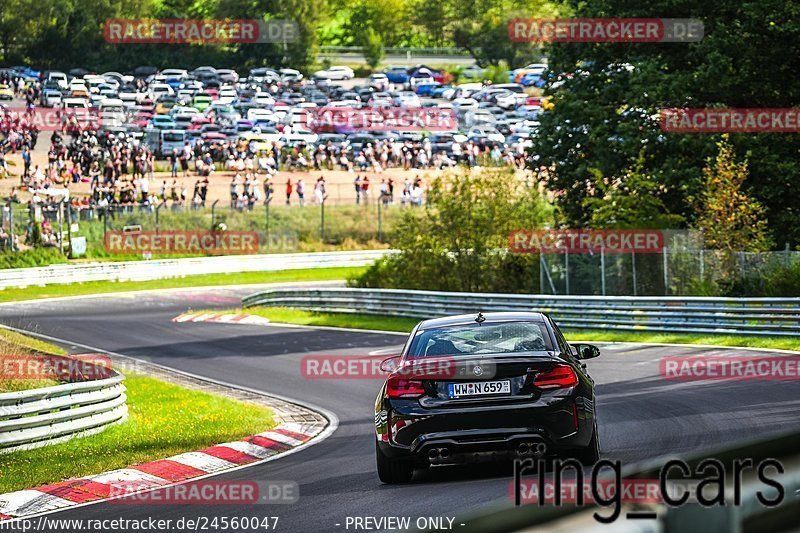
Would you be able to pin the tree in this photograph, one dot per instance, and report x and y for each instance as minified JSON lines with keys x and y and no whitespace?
{"x":606,"y":98}
{"x":372,"y":45}
{"x":456,"y":241}
{"x":729,"y":218}
{"x":631,"y":201}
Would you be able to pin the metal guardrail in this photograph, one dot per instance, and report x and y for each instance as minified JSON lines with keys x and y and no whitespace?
{"x":751,"y":316}
{"x":48,"y":415}
{"x":170,"y":268}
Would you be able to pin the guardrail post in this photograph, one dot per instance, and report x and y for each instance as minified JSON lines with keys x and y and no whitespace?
{"x":266,"y":205}
{"x":322,"y":218}
{"x":603,"y":269}
{"x":566,"y":268}
{"x":158,"y":207}
{"x":11,"y":224}
{"x":666,"y":271}
{"x":633,"y":270}
{"x":380,"y":219}
{"x":702,"y":265}
{"x":214,"y":213}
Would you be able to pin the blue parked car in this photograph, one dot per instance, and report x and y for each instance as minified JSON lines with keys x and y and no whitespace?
{"x":397,"y":74}
{"x":439,"y":90}
{"x":426,"y":89}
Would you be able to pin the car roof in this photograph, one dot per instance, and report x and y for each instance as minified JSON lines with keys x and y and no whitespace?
{"x":490,"y":318}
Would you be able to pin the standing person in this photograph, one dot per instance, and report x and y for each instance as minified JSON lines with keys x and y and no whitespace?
{"x":26,"y":158}
{"x":289,"y":189}
{"x":319,"y":190}
{"x":185,"y":156}
{"x":234,"y":190}
{"x":268,"y":190}
{"x":173,"y":160}
{"x":301,"y":192}
{"x":203,"y":191}
{"x":365,"y":189}
{"x":144,"y":187}
{"x":357,"y":183}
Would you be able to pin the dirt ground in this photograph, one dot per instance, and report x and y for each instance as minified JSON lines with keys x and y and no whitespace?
{"x":339,"y":184}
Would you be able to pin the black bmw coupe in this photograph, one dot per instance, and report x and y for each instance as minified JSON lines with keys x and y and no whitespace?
{"x":479,"y":387}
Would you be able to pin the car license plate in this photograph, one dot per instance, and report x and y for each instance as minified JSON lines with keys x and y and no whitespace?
{"x":479,"y":388}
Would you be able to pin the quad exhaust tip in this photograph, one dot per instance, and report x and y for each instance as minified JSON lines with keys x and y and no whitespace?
{"x":533,"y":448}
{"x":438,"y":454}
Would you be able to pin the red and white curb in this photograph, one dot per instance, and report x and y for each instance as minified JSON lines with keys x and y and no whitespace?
{"x":160,"y":473}
{"x":225,"y":318}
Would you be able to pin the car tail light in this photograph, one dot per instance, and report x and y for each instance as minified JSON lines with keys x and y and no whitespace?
{"x":558,"y":377}
{"x":402,"y":387}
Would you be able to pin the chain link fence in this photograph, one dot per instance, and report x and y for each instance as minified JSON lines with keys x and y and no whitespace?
{"x":670,"y":273}
{"x":312,"y":227}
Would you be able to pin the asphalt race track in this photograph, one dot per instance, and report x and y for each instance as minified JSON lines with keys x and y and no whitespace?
{"x":641,"y":415}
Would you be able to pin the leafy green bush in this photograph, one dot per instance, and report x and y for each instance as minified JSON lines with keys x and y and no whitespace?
{"x":31,"y":258}
{"x":783,"y":281}
{"x":457,"y":241}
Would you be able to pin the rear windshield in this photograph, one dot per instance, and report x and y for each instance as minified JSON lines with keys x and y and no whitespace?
{"x":473,"y":339}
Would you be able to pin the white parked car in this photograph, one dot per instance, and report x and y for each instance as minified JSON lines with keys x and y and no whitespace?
{"x":160,"y":89}
{"x":227,"y":95}
{"x":335,"y":73}
{"x":60,"y":78}
{"x":408,"y":100}
{"x":51,"y":98}
{"x":490,"y":133}
{"x":255,"y":113}
{"x":264,"y":99}
{"x":379,"y":82}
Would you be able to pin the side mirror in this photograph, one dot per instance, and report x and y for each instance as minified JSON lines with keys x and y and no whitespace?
{"x":586,"y":351}
{"x":391,"y":364}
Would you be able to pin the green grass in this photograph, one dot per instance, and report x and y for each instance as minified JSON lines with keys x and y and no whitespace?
{"x":339,"y":320}
{"x":344,"y":320}
{"x":164,"y":420}
{"x":775,"y":343}
{"x":244,"y":278}
{"x":14,"y":345}
{"x":292,"y":229}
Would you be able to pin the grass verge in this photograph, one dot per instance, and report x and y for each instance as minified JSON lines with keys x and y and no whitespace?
{"x":14,"y":345}
{"x":164,"y":420}
{"x":243,"y":278}
{"x":345,"y":320}
{"x":338,"y":320}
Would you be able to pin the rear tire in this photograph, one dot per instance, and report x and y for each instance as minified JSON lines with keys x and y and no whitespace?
{"x":393,"y":470}
{"x":591,"y":454}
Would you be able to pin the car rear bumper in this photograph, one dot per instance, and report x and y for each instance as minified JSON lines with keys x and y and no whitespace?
{"x":526,"y":430}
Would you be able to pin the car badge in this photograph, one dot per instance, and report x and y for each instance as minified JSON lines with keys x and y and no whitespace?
{"x":478,"y":371}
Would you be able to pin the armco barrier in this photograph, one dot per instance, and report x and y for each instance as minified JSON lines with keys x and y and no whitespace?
{"x":40,"y":417}
{"x":170,"y":268}
{"x":751,"y":316}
